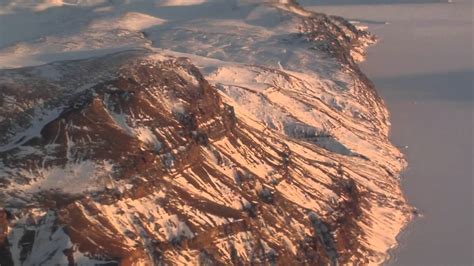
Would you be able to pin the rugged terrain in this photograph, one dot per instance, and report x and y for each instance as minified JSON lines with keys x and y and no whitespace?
{"x":202,"y":132}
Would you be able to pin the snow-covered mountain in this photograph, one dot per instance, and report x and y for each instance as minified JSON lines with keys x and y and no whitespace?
{"x":191,"y":132}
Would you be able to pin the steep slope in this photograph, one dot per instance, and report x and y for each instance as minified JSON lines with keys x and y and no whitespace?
{"x":266,"y":144}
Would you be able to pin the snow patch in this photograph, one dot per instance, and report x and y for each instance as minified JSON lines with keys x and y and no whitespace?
{"x":73,"y":178}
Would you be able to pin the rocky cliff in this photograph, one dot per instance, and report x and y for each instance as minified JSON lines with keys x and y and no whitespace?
{"x":244,"y":137}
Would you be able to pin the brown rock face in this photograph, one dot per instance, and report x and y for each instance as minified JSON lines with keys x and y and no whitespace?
{"x":149,"y":165}
{"x":5,"y":256}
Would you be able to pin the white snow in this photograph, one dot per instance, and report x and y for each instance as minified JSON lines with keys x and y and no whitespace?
{"x":48,"y":245}
{"x":180,"y":2}
{"x":132,"y":21}
{"x":74,"y":177}
{"x":145,"y":135}
{"x":40,"y":119}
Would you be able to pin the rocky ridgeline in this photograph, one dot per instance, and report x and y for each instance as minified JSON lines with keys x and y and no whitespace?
{"x":141,"y":158}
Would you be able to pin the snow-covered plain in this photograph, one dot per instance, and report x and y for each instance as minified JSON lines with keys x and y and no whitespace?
{"x":423,"y":67}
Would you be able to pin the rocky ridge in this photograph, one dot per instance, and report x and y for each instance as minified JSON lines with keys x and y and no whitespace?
{"x":146,"y":157}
